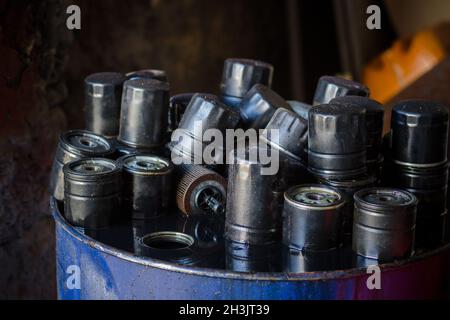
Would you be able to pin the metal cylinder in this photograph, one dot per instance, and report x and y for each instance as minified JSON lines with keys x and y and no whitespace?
{"x":203,"y":112}
{"x":419,"y":133}
{"x":384,"y":223}
{"x":337,"y":140}
{"x":147,"y":185}
{"x":254,"y":200}
{"x":143,"y":121}
{"x":349,"y":187}
{"x":75,"y":145}
{"x":374,"y":122}
{"x":103,"y":93}
{"x":148,"y":74}
{"x":240,"y":75}
{"x":330,"y":87}
{"x":312,"y":217}
{"x":92,"y":188}
{"x":200,"y":191}
{"x":259,"y":105}
{"x":291,"y":136}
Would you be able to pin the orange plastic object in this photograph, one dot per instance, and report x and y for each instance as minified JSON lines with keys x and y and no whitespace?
{"x":402,"y":64}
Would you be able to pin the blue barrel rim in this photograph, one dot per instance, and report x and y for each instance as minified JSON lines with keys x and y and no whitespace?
{"x":226,"y":274}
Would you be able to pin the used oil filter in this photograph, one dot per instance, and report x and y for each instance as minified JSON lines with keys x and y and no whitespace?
{"x":203,"y":112}
{"x":143,"y":120}
{"x":200,"y":191}
{"x":374,"y":122}
{"x":337,"y":141}
{"x":292,"y":133}
{"x":419,"y":133}
{"x":254,"y":199}
{"x":103,"y":93}
{"x":147,"y":185}
{"x":92,"y":188}
{"x":312,"y":217}
{"x":259,"y":105}
{"x":330,"y":87}
{"x":240,"y":75}
{"x":384,"y":223}
{"x":148,"y":74}
{"x":75,"y":145}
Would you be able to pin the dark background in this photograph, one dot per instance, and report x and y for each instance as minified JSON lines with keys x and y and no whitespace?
{"x":42,"y":67}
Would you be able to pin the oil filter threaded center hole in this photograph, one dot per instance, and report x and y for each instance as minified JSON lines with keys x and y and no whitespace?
{"x":168,"y":240}
{"x":88,"y":143}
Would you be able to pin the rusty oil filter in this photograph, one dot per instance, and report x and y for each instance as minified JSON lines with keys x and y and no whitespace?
{"x":75,"y":145}
{"x":148,"y":74}
{"x":92,"y":188}
{"x":103,"y":93}
{"x":258,"y":106}
{"x":143,"y":120}
{"x":419,"y":133}
{"x":312,"y":217}
{"x":203,"y":112}
{"x":384,"y":223}
{"x":200,"y":191}
{"x":147,"y":185}
{"x":240,"y":75}
{"x":330,"y":87}
{"x":337,"y":141}
{"x":254,"y":199}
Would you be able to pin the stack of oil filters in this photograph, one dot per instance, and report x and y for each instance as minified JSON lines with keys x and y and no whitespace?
{"x":310,"y":181}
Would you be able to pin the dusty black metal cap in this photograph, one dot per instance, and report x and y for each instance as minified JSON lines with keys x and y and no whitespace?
{"x":419,"y":133}
{"x":144,"y":114}
{"x":103,"y":92}
{"x":329,"y":88}
{"x":240,"y":75}
{"x":259,"y":105}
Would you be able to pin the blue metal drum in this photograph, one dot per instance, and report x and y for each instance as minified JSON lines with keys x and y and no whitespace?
{"x":106,"y":272}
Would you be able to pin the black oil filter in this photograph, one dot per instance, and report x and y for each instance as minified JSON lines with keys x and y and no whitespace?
{"x":92,"y":188}
{"x":384,"y":223}
{"x":148,"y":187}
{"x":75,"y":145}
{"x":312,"y":217}
{"x":330,"y":87}
{"x":143,"y":120}
{"x":103,"y":93}
{"x":337,"y":141}
{"x":240,"y":75}
{"x":258,"y":106}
